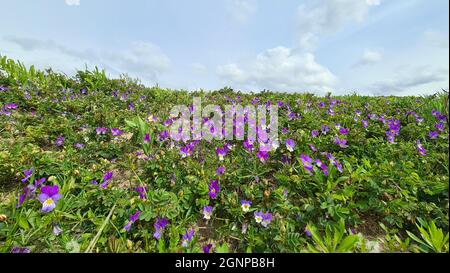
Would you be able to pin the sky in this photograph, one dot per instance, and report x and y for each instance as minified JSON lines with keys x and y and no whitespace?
{"x":371,"y":47}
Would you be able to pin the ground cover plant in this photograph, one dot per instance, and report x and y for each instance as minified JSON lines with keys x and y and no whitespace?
{"x":87,"y":165}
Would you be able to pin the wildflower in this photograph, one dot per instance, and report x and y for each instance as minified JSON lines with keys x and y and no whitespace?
{"x":207,"y":212}
{"x":343,"y":131}
{"x":78,"y":146}
{"x":306,"y":160}
{"x":116,"y":132}
{"x":17,"y":249}
{"x":106,"y":177}
{"x":322,"y":166}
{"x":247,"y":145}
{"x":142,"y":192}
{"x":59,"y":141}
{"x":341,"y":142}
{"x":439,"y":126}
{"x":266,"y":219}
{"x":334,"y":161}
{"x":313,"y":148}
{"x":56,"y":230}
{"x":147,"y":138}
{"x":39,"y":182}
{"x":314,"y":133}
{"x":221,"y":152}
{"x":101,"y":130}
{"x":207,"y":248}
{"x":365,"y":123}
{"x":245,"y":205}
{"x":187,"y":237}
{"x":133,"y":218}
{"x":258,"y":216}
{"x":262,"y":155}
{"x":159,"y":226}
{"x":307,"y":232}
{"x":421,"y":149}
{"x":49,"y":196}
{"x":433,"y":134}
{"x":214,"y":189}
{"x":290,"y":144}
{"x":325,"y":129}
{"x":27,"y":174}
{"x":220,"y":170}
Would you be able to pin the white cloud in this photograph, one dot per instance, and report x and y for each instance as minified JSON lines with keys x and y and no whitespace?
{"x":73,"y":2}
{"x":413,"y":81}
{"x":141,"y":59}
{"x":318,"y":17}
{"x":279,"y":69}
{"x":241,"y":10}
{"x":369,"y":57}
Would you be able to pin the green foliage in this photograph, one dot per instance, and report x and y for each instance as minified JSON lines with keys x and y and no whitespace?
{"x":381,"y":193}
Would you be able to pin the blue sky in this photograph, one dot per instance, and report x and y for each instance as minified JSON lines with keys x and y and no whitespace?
{"x":373,"y":47}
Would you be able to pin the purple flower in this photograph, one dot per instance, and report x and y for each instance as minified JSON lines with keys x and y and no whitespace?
{"x":17,"y":249}
{"x":106,"y":177}
{"x":266,"y":219}
{"x":220,"y":170}
{"x":258,"y":216}
{"x":214,"y":189}
{"x":159,"y":226}
{"x":207,"y":212}
{"x":343,"y":131}
{"x":341,"y":142}
{"x":247,"y":145}
{"x":101,"y":130}
{"x":221,"y":152}
{"x":39,"y":182}
{"x":325,"y":129}
{"x":307,"y":232}
{"x":10,"y":106}
{"x":245,"y":205}
{"x":142,"y":192}
{"x":187,"y":237}
{"x":56,"y":230}
{"x":307,"y":163}
{"x":207,"y":248}
{"x":439,"y":126}
{"x":314,"y":133}
{"x":322,"y":166}
{"x":313,"y":148}
{"x":116,"y":132}
{"x":27,"y":174}
{"x":133,"y":218}
{"x":421,"y":149}
{"x":433,"y":134}
{"x":290,"y":144}
{"x":78,"y":146}
{"x":49,"y":196}
{"x":334,"y":161}
{"x":59,"y":141}
{"x":263,"y":156}
{"x":365,"y":123}
{"x":147,"y":138}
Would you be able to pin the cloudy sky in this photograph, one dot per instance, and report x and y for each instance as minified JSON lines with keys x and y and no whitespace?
{"x":373,"y":47}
